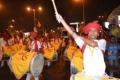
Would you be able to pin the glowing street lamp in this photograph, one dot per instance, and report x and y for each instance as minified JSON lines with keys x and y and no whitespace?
{"x":83,"y":2}
{"x":77,"y":1}
{"x":40,"y":8}
{"x":28,"y":9}
{"x":83,"y":7}
{"x":0,"y":5}
{"x":34,"y":12}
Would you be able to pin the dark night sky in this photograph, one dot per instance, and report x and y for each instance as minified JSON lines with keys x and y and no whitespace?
{"x":15,"y":9}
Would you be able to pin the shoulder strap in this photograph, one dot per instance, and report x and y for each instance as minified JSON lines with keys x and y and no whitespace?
{"x":36,"y":45}
{"x":83,"y":47}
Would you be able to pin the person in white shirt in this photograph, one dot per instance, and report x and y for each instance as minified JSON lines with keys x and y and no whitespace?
{"x":93,"y":49}
{"x":35,"y":44}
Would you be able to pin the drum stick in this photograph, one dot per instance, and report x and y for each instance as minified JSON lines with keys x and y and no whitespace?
{"x":54,"y":7}
{"x":56,"y":12}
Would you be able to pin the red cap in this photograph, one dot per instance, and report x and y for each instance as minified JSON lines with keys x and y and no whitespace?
{"x":90,"y":25}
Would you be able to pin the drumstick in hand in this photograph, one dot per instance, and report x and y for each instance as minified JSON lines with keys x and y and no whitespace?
{"x":56,"y":12}
{"x":54,"y":6}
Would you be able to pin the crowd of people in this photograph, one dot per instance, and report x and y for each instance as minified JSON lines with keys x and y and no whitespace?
{"x":87,"y":54}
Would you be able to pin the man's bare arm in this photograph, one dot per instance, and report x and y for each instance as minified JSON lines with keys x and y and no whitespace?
{"x":73,"y":34}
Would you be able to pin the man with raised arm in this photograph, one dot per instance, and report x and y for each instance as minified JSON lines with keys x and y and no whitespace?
{"x":92,"y":48}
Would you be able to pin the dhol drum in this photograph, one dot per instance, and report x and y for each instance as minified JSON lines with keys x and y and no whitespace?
{"x":36,"y":65}
{"x":78,"y":76}
{"x":29,"y":62}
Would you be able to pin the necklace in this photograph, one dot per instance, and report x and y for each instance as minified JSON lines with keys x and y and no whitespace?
{"x":91,"y":50}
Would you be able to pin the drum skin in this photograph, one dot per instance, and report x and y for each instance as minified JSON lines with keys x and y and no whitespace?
{"x":36,"y":65}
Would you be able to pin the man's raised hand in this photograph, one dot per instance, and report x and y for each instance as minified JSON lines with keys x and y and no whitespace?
{"x":59,"y":18}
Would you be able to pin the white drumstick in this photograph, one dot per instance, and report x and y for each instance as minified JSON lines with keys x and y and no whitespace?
{"x":54,"y":6}
{"x":56,"y":12}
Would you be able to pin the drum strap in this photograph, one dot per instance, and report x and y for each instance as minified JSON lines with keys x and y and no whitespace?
{"x":36,"y":46}
{"x":83,"y":48}
{"x":42,"y":44}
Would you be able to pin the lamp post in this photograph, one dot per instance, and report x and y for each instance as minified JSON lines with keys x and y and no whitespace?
{"x":83,"y":5}
{"x":83,"y":8}
{"x":34,"y":13}
{"x":0,"y":6}
{"x":34,"y":16}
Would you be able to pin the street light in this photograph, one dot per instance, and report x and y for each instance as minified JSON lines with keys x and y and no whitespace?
{"x":40,"y":8}
{"x":83,"y":8}
{"x":34,"y":12}
{"x":83,"y":3}
{"x":0,"y":5}
{"x":28,"y":9}
{"x":77,"y":1}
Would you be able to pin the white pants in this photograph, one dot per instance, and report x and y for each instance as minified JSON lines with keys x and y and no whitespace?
{"x":29,"y":77}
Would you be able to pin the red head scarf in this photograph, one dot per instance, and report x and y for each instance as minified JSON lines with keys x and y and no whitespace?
{"x":90,"y":25}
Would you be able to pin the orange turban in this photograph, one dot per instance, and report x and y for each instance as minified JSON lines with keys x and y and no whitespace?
{"x":90,"y":25}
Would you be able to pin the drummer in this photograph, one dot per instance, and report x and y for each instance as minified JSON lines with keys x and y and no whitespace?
{"x":35,"y":44}
{"x":93,"y":49}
